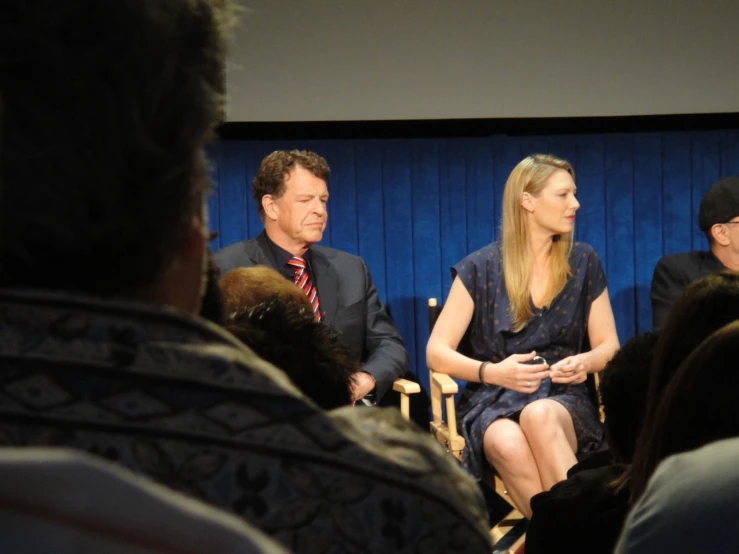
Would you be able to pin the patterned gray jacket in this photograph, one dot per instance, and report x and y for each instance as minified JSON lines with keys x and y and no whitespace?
{"x":184,"y":402}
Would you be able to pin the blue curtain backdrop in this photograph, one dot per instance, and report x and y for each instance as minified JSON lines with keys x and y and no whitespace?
{"x":413,"y":207}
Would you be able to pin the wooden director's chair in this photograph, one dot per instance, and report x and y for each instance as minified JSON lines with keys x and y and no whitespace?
{"x":507,"y":534}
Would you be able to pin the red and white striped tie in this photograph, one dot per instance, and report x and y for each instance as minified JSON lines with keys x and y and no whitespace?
{"x":302,"y":279}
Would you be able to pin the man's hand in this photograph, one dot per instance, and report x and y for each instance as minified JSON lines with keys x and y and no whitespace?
{"x":363,"y":384}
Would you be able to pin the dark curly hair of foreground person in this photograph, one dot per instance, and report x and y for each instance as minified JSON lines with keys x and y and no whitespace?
{"x":288,"y":336}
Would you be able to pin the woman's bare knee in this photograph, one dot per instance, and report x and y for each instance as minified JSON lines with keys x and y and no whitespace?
{"x":506,"y":444}
{"x":537,"y":414}
{"x":547,"y":421}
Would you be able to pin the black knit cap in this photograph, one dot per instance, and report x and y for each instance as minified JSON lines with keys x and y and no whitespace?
{"x":720,"y":204}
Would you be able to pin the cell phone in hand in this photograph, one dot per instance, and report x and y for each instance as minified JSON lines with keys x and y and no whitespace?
{"x":537,"y":360}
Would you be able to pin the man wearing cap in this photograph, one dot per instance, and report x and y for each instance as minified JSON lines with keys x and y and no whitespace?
{"x":719,"y":220}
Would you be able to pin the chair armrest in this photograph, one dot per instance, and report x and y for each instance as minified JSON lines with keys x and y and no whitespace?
{"x":601,"y":411}
{"x":404,"y":386}
{"x":446,"y":384}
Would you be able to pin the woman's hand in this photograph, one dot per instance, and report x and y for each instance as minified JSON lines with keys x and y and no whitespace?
{"x":571,"y":370}
{"x":512,"y":373}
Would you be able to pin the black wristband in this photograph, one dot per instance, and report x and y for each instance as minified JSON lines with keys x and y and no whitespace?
{"x":481,"y":371}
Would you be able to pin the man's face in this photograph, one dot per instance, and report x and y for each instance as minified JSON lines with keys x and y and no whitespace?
{"x":732,"y":234}
{"x":299,"y":216}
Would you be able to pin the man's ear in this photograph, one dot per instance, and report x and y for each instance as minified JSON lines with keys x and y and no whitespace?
{"x":527,"y":202}
{"x":719,"y":234}
{"x":194,"y":239}
{"x":270,"y":207}
{"x":181,"y":282}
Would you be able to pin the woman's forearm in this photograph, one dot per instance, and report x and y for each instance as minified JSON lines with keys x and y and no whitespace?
{"x":599,"y":356}
{"x":442,"y":358}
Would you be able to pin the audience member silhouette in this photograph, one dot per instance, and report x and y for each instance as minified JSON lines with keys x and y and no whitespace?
{"x":706,"y":305}
{"x":689,"y":502}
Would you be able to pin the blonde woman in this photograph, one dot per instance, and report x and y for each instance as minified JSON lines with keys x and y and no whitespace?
{"x":531,"y":301}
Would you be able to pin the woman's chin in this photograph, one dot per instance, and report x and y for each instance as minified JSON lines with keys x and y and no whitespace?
{"x":567,"y":229}
{"x":561,"y":231}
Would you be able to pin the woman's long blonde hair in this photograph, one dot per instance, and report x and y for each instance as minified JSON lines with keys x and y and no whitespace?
{"x":530,"y":175}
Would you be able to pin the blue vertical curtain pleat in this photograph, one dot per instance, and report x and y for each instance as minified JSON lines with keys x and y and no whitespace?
{"x":343,"y":232}
{"x":619,"y":224}
{"x":397,"y":214}
{"x":677,"y":217}
{"x":590,"y":224}
{"x":370,"y":212}
{"x":481,"y":203}
{"x":506,"y":154}
{"x":647,"y":223}
{"x":414,"y":207}
{"x":452,"y":207}
{"x":427,"y":264}
{"x":705,"y":163}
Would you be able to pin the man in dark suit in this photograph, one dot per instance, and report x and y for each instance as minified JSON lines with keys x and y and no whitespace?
{"x":719,"y":220}
{"x":290,"y":189}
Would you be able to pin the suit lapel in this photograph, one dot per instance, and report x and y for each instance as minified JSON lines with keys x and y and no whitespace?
{"x":327,"y":281}
{"x":260,"y":252}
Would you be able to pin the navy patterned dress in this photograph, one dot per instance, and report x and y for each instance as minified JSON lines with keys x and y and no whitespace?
{"x":555,"y":332}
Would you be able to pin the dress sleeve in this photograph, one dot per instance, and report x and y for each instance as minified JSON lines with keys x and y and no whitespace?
{"x":595,"y":278}
{"x":467,"y":270}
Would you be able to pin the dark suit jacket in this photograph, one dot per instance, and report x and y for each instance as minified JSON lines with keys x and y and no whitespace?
{"x":349,"y":303}
{"x":672,"y":274}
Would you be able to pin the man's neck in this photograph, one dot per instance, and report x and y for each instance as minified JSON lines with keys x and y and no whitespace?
{"x":165,"y":292}
{"x":284,"y":242}
{"x":726,"y":256}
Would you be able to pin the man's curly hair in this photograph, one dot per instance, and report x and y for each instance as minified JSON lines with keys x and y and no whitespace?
{"x":288,"y":336}
{"x":274,"y":169}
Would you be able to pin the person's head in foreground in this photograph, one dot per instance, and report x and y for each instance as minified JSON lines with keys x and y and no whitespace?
{"x":705,"y":306}
{"x":689,"y":504}
{"x":698,"y":406}
{"x":102,"y":169}
{"x":623,"y":392}
{"x":274,"y":318}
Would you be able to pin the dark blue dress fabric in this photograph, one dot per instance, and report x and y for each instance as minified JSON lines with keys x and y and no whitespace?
{"x":555,"y":332}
